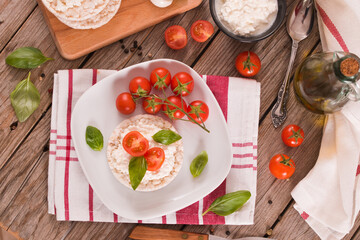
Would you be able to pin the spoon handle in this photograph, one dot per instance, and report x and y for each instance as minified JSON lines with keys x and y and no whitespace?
{"x":279,"y":112}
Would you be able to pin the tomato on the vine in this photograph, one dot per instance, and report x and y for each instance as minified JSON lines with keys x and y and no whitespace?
{"x":201,"y":30}
{"x":139,"y":87}
{"x":160,"y":78}
{"x":125,"y":103}
{"x":176,"y":37}
{"x":135,"y":144}
{"x":248,"y":64}
{"x":292,"y":135}
{"x":154,"y":158}
{"x":152,"y":104}
{"x":182,"y":83}
{"x":282,"y":166}
{"x":198,"y":110}
{"x":171,"y":111}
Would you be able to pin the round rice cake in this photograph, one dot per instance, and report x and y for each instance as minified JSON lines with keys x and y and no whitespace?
{"x":98,"y":20}
{"x":75,"y":10}
{"x":119,"y":159}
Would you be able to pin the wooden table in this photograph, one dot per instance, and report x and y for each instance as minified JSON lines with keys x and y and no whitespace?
{"x":24,"y":146}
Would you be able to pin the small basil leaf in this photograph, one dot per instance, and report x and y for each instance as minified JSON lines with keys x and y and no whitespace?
{"x":198,"y":164}
{"x":94,"y":138}
{"x":166,"y":137}
{"x":26,"y":58}
{"x":229,"y":203}
{"x":25,"y":99}
{"x":137,"y":170}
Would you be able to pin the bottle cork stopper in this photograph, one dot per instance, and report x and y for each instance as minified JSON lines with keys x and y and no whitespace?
{"x":349,"y":67}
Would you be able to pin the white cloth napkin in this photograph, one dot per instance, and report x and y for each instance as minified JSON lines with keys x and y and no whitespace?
{"x":71,"y":197}
{"x":328,"y":198}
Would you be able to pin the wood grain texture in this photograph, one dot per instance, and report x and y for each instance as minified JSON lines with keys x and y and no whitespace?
{"x":139,"y":14}
{"x":10,"y":22}
{"x":147,"y":233}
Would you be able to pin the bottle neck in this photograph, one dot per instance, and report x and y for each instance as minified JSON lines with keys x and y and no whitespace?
{"x":347,"y":68}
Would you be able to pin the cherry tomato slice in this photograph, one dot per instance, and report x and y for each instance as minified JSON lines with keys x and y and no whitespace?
{"x":292,"y":135}
{"x":198,"y":110}
{"x":139,"y":87}
{"x":135,"y":144}
{"x":125,"y":103}
{"x":282,"y":166}
{"x":154,"y":158}
{"x":201,"y":30}
{"x":176,"y":37}
{"x":248,"y":64}
{"x":152,"y":104}
{"x":160,"y":78}
{"x":182,"y":83}
{"x":172,"y":112}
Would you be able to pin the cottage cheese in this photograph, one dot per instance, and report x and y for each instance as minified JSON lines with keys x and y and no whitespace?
{"x":119,"y":159}
{"x":248,"y":17}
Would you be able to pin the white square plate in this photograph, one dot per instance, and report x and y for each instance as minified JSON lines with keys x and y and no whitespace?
{"x":96,"y":107}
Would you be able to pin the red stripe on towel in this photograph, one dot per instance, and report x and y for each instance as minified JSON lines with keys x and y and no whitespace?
{"x":68,"y":143}
{"x":358,"y":170}
{"x":332,"y":28}
{"x":164,"y":219}
{"x":91,"y":204}
{"x":246,"y":155}
{"x":248,"y":144}
{"x":219,"y":86}
{"x":115,"y":217}
{"x":210,"y":217}
{"x":188,"y":215}
{"x":304,"y":215}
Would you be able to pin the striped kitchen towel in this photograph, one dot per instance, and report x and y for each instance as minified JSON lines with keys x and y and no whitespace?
{"x":71,"y":198}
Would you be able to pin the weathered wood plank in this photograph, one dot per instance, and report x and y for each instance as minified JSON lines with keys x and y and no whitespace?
{"x":13,"y":14}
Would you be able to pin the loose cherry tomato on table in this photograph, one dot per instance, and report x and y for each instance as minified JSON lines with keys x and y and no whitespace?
{"x":139,"y":87}
{"x":198,"y":110}
{"x":201,"y":30}
{"x":292,"y":135}
{"x":248,"y":64}
{"x":282,"y":166}
{"x":182,"y":83}
{"x":176,"y":37}
{"x":152,"y":104}
{"x":160,"y":78}
{"x":154,"y":158}
{"x":135,"y":144}
{"x":125,"y":103}
{"x":171,"y":111}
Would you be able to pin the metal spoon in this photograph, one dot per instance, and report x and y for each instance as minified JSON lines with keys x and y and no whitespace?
{"x":299,"y":24}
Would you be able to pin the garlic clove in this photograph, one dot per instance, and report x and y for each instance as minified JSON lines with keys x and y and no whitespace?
{"x":162,"y":3}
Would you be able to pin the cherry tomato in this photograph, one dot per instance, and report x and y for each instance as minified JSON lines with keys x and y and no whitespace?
{"x":248,"y":64}
{"x":198,"y":110}
{"x":183,"y":83}
{"x":282,"y":166}
{"x":160,"y":78}
{"x":171,"y":111}
{"x":135,"y":144}
{"x":125,"y":103}
{"x":154,"y":158}
{"x":201,"y":30}
{"x":292,"y":135}
{"x":175,"y":37}
{"x":139,"y":87}
{"x":152,"y":104}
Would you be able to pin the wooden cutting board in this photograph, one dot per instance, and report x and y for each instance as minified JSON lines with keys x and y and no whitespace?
{"x":133,"y":16}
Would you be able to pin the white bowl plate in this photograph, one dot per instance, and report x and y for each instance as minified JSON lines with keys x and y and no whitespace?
{"x":96,"y":107}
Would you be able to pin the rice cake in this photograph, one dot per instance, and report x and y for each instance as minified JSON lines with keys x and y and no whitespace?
{"x":119,"y":159}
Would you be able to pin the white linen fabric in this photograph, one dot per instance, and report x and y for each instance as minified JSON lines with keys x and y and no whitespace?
{"x":71,"y":198}
{"x":328,"y":198}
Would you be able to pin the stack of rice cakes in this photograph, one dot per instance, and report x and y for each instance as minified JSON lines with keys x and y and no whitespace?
{"x":83,"y":14}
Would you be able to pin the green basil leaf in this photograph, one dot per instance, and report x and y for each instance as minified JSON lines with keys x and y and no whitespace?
{"x":166,"y":137}
{"x":137,"y":170}
{"x":25,"y":99}
{"x":229,"y":203}
{"x":198,"y":164}
{"x":94,"y":138}
{"x":26,"y":58}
